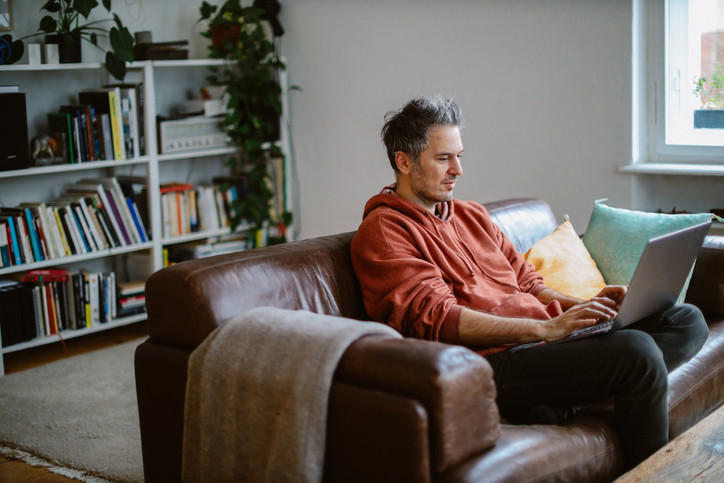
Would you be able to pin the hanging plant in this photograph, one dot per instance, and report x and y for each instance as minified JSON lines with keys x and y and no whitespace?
{"x":239,"y":35}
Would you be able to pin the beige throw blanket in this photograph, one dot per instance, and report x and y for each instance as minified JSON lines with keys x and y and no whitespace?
{"x":256,"y":398}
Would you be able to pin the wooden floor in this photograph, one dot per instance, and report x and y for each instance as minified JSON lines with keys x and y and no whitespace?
{"x":12,"y":470}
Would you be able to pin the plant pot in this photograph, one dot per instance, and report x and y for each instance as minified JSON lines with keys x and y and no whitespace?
{"x":68,"y":47}
{"x":220,"y":34}
{"x":709,"y":119}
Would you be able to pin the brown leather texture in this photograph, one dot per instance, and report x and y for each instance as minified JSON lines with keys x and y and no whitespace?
{"x":375,"y":436}
{"x":400,"y":409}
{"x":706,"y":289}
{"x":186,"y":301}
{"x":453,"y":383}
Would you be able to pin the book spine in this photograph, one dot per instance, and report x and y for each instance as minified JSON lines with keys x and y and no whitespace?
{"x":137,"y":219}
{"x":93,"y":225}
{"x":122,"y":207}
{"x":118,"y":219}
{"x":107,"y":134}
{"x":15,"y":245}
{"x":33,"y":234}
{"x":84,"y":229}
{"x":59,"y":231}
{"x":26,"y":253}
{"x":93,"y":288}
{"x":4,"y":250}
{"x":71,"y":233}
{"x":119,"y":151}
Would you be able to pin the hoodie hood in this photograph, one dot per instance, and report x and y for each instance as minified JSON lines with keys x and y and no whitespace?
{"x":389,"y":198}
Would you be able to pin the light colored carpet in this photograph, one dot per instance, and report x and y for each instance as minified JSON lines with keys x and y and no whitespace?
{"x":78,"y":414}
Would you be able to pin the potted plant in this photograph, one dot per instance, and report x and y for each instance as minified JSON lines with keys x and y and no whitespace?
{"x":710,"y":91}
{"x":63,"y":25}
{"x":238,"y":34}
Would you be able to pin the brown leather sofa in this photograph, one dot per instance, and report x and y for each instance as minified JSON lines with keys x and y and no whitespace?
{"x":399,"y":409}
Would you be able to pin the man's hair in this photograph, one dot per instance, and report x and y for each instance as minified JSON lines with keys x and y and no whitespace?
{"x":406,"y":130}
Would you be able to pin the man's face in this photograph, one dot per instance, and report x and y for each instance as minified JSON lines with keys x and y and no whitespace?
{"x":432,"y":180}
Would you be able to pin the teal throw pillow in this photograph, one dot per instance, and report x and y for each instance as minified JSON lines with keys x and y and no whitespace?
{"x":616,"y":237}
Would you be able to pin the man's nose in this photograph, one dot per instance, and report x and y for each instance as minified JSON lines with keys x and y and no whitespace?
{"x":456,"y":167}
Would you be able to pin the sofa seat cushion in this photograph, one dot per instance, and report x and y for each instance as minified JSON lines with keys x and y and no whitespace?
{"x":583,"y":449}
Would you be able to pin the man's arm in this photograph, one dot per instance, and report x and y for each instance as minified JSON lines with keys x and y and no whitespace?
{"x":478,"y":328}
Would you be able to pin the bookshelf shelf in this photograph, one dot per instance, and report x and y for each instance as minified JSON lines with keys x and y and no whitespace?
{"x":205,"y":153}
{"x":165,"y":84}
{"x":71,"y":334}
{"x":69,"y":168}
{"x":76,"y":258}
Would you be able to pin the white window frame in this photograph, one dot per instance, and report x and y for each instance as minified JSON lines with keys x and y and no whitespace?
{"x":648,"y":93}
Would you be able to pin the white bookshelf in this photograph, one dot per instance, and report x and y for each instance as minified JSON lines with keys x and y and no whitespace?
{"x":165,"y":84}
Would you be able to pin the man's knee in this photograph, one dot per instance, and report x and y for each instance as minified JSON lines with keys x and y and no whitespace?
{"x":640,"y":359}
{"x":688,"y":317}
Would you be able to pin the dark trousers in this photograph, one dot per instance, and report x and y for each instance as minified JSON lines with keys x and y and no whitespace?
{"x":630,"y":366}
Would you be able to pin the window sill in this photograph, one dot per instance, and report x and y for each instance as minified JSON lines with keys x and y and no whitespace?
{"x":677,"y":169}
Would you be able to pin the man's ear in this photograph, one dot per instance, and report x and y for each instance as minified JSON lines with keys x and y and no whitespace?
{"x":403,"y":162}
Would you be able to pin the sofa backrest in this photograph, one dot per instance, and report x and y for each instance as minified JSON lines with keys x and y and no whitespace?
{"x":523,"y":220}
{"x":187,"y":301}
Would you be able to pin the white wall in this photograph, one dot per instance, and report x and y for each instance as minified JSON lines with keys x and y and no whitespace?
{"x":544,"y":86}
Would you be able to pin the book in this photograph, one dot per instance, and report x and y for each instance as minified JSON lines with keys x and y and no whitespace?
{"x":17,"y":245}
{"x":132,"y":98}
{"x":41,"y":212}
{"x":106,"y":100}
{"x":33,"y":235}
{"x":4,"y":250}
{"x":59,"y":230}
{"x":110,"y":213}
{"x":79,"y":124}
{"x":115,"y":195}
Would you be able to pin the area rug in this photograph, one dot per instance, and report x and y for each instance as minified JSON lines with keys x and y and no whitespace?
{"x":77,"y":417}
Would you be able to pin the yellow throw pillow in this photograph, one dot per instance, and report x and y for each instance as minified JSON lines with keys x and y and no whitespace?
{"x":565,"y":264}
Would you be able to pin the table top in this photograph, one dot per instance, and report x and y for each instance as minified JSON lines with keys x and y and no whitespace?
{"x":695,"y":455}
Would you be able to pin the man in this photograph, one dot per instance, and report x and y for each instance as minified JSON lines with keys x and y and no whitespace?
{"x":439,"y":269}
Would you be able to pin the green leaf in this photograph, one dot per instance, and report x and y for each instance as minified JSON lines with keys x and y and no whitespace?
{"x":107,"y":4}
{"x":122,"y":44}
{"x":51,"y":6}
{"x":115,"y":66}
{"x":84,"y":7}
{"x":48,"y":24}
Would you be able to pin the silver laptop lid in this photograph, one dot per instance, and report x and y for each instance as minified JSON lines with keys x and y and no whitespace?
{"x":661,"y":273}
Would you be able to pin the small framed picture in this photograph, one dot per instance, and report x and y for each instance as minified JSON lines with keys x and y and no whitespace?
{"x":6,"y":15}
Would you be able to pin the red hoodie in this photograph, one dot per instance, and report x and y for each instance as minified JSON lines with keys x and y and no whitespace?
{"x":418,"y":271}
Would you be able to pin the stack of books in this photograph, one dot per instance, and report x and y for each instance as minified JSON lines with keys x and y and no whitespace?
{"x":93,"y":215}
{"x":106,"y":123}
{"x":50,"y":301}
{"x":131,"y":298}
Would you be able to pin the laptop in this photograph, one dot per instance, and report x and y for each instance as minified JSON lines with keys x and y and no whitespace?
{"x":657,"y":282}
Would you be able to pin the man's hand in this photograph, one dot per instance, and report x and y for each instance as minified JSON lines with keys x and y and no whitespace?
{"x":586,"y":314}
{"x":615,"y":293}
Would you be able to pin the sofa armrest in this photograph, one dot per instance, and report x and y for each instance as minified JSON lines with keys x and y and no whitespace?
{"x":706,"y":289}
{"x":454,"y":385}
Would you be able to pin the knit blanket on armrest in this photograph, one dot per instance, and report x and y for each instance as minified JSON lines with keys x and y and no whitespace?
{"x":257,"y":392}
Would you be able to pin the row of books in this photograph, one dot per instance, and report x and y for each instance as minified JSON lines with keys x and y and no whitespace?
{"x":94,"y":214}
{"x":106,"y":123}
{"x":189,"y":209}
{"x":186,"y":208}
{"x":47,"y":302}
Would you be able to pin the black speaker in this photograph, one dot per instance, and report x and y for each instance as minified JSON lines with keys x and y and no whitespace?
{"x":14,"y":146}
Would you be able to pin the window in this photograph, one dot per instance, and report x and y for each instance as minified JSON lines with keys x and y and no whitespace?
{"x":676,"y":42}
